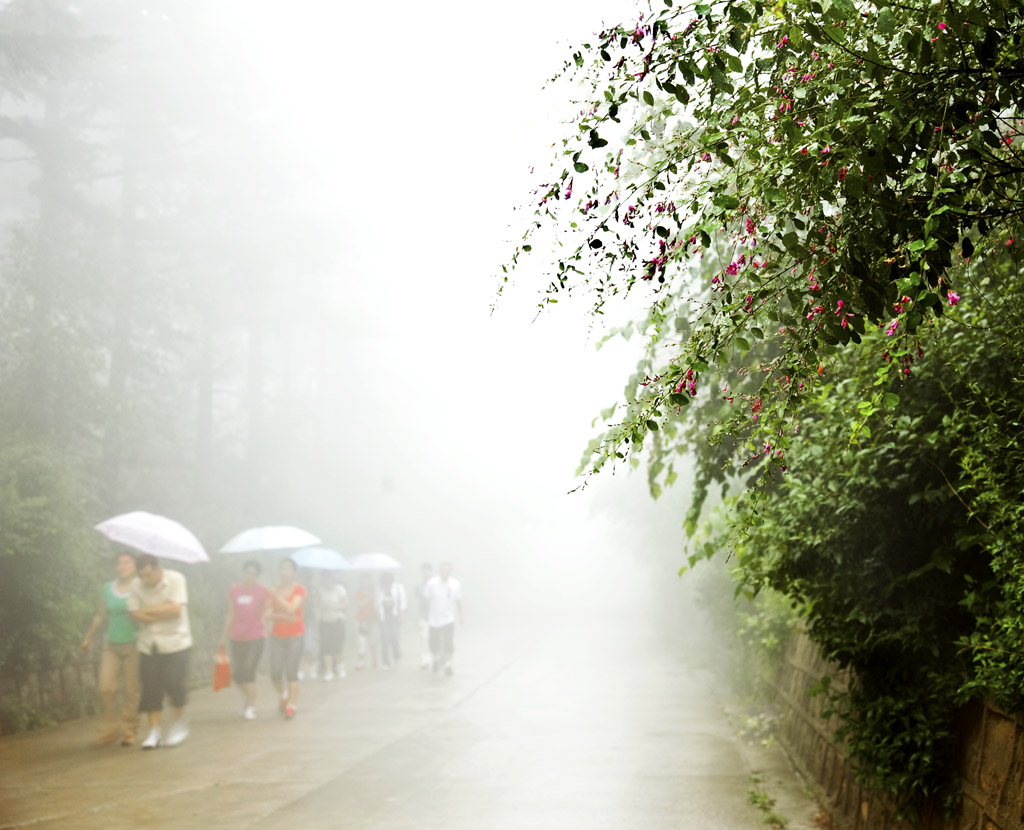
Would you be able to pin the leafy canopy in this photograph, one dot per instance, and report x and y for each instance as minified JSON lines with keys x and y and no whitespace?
{"x":804,"y":191}
{"x":791,"y":175}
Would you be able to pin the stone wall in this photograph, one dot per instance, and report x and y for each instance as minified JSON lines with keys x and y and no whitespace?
{"x":42,"y":698}
{"x":992,"y":756}
{"x":39,"y":699}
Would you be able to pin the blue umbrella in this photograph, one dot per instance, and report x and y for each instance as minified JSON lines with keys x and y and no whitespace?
{"x":320,"y":557}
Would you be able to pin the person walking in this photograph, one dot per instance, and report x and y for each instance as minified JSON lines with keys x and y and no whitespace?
{"x":248,"y":606}
{"x":444,"y":598}
{"x":423,"y":609}
{"x":158,"y":601}
{"x":333,"y":604}
{"x":367,"y":620}
{"x":286,"y":637}
{"x":119,"y":659}
{"x":391,"y":604}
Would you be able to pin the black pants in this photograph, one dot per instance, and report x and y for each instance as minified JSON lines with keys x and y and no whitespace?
{"x":285,"y":658}
{"x":245,"y":656}
{"x":332,"y":638}
{"x":390,"y":640}
{"x":442,"y":642}
{"x":163,"y":675}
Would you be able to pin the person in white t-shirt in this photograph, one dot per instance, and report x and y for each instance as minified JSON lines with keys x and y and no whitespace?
{"x":158,"y":601}
{"x":422,"y":612}
{"x":443,"y":595}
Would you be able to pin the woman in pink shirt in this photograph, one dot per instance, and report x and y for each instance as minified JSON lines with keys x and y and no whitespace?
{"x":248,"y":604}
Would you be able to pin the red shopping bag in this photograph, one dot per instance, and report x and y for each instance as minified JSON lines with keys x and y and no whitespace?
{"x":221,"y":671}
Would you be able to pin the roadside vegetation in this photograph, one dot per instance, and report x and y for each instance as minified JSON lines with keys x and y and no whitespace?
{"x":821,"y":202}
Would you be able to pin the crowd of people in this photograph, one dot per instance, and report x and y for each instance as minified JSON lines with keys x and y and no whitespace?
{"x":148,"y":641}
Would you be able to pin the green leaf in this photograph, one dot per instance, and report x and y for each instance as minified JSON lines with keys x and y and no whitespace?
{"x":886,"y":22}
{"x":720,"y":81}
{"x":580,"y":167}
{"x":648,"y":98}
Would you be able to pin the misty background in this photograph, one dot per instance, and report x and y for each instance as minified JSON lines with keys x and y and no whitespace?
{"x":250,"y":258}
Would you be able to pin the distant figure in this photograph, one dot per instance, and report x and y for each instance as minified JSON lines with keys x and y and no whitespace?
{"x":286,"y":602}
{"x":120,"y":657}
{"x":444,"y":598}
{"x":423,"y":608}
{"x":248,"y":605}
{"x":366,"y":623}
{"x":333,"y":605}
{"x":391,"y":604}
{"x":158,"y":599}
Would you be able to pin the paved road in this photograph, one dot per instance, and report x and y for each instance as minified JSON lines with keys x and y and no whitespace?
{"x":571,"y":729}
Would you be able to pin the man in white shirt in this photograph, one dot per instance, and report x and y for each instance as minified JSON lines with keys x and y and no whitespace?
{"x":444,"y":606}
{"x":158,"y":600}
{"x":391,"y":604}
{"x":423,"y":612}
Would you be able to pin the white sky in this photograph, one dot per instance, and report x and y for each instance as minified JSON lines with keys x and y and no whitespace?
{"x":431,"y":116}
{"x":415,"y":125}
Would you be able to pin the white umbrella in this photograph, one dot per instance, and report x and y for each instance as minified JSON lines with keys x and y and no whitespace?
{"x":154,"y":534}
{"x":273,"y":537}
{"x":375,"y":562}
{"x":320,"y":557}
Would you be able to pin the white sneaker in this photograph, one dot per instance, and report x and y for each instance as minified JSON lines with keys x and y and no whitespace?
{"x":249,"y":713}
{"x":153,"y":739}
{"x":341,"y":672}
{"x":177,"y":733}
{"x":329,"y":676}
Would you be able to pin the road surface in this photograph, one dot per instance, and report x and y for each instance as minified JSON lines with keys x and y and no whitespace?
{"x":559,"y":727}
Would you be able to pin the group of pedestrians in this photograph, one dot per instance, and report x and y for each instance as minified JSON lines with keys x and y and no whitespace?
{"x":148,"y":640}
{"x":148,"y":645}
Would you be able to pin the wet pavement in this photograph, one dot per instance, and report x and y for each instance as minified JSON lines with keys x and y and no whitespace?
{"x":557,"y":728}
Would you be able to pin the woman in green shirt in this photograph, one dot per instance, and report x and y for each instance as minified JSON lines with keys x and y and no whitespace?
{"x":120,"y":658}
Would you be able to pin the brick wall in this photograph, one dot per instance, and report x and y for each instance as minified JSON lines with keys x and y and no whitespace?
{"x":992,"y":756}
{"x":69,"y":691}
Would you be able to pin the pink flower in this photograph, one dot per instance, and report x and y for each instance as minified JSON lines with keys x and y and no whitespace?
{"x":953,"y":298}
{"x":891,"y":329}
{"x":942,"y":27}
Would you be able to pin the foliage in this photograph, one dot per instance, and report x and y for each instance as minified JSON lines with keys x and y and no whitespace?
{"x":804,"y":191}
{"x":791,"y":174}
{"x":146,"y":253}
{"x":47,"y":553}
{"x":765,"y":803}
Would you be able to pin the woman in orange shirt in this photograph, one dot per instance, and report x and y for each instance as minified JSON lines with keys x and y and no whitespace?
{"x":286,"y":637}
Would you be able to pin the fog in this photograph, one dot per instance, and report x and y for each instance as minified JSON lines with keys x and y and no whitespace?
{"x":339,"y":183}
{"x":249,"y":276}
